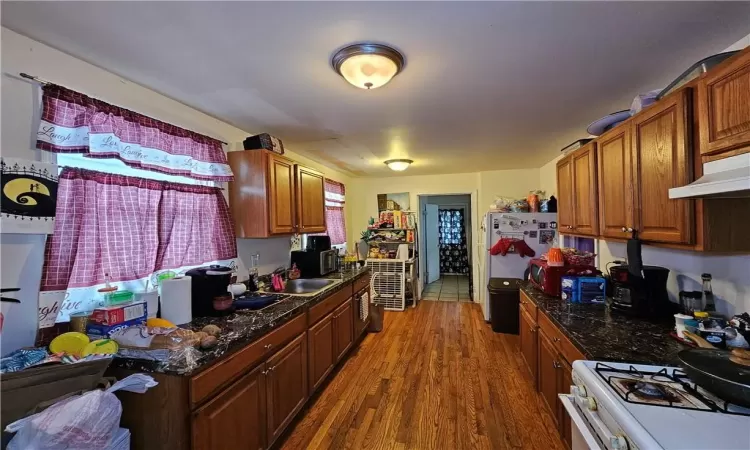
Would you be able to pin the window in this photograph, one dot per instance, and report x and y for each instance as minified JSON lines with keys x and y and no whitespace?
{"x":335,"y":220}
{"x":128,"y":191}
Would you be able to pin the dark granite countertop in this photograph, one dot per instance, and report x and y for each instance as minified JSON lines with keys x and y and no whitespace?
{"x":238,"y":330}
{"x":603,"y":335}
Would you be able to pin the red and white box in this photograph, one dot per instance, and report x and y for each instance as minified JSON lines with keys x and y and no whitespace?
{"x":112,"y":315}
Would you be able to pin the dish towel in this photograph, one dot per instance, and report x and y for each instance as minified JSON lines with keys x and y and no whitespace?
{"x":505,"y":245}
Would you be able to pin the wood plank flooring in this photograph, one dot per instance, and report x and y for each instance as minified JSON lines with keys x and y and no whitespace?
{"x":436,"y":377}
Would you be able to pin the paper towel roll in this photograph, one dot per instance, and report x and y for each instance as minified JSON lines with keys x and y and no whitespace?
{"x":176,"y":300}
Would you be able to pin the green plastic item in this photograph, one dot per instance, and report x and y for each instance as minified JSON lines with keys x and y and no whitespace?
{"x":119,"y":297}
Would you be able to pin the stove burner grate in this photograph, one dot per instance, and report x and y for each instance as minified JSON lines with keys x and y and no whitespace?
{"x":649,"y":388}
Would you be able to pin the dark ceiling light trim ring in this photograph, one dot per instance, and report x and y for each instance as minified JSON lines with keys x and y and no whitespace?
{"x":408,"y":161}
{"x":365,"y":48}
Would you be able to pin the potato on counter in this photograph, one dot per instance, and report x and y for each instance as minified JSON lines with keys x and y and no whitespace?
{"x":212,"y":330}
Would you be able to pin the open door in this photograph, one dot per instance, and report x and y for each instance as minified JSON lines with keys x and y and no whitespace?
{"x":431,"y":242}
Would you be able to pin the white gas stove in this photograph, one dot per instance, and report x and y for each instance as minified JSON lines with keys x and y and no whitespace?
{"x":629,"y":406}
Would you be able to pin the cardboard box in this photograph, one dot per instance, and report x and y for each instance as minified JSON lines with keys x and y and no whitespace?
{"x":112,"y":315}
{"x":100,"y":331}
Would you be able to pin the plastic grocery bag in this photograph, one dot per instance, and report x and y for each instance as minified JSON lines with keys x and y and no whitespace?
{"x":82,"y":422}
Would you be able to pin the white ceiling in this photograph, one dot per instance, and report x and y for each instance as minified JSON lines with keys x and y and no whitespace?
{"x":486,"y":86}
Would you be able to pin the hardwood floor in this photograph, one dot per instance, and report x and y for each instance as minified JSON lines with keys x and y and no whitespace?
{"x":436,"y":377}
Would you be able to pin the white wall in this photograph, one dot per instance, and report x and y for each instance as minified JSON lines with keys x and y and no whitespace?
{"x":22,"y":255}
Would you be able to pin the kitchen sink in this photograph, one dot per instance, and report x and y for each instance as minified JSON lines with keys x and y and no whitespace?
{"x":309,"y":286}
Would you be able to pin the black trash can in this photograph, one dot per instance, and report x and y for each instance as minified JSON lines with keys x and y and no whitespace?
{"x":504,"y":298}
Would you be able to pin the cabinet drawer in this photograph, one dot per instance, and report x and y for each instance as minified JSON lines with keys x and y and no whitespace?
{"x":528,"y":306}
{"x":325,"y":307}
{"x":563,"y":345}
{"x":222,"y":373}
{"x":361,"y":282}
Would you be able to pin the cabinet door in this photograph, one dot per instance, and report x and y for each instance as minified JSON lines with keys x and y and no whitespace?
{"x":548,"y":373}
{"x":566,"y":380}
{"x":320,"y":347}
{"x":527,"y":341}
{"x":287,"y":386}
{"x":585,"y":213}
{"x":343,"y":329}
{"x":615,"y":181}
{"x":724,"y":107}
{"x":311,"y":215}
{"x":281,"y":201}
{"x":236,"y":418}
{"x":661,"y":160}
{"x":565,"y":195}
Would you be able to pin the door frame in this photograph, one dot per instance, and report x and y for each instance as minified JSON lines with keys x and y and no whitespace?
{"x":474,"y":220}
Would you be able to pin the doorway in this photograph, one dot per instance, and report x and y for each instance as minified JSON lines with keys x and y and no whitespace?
{"x":447,"y":228}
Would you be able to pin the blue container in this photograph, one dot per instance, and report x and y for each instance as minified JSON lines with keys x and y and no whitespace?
{"x":583,"y":289}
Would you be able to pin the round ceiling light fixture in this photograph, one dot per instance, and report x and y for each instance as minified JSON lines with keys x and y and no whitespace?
{"x":398,"y":165}
{"x":367,"y":66}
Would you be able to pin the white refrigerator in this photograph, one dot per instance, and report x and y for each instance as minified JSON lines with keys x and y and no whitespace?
{"x":537,"y":230}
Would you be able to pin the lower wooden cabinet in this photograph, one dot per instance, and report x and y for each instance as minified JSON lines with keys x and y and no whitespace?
{"x":287,"y":388}
{"x":548,"y":355}
{"x":321,"y":353}
{"x":235,"y":418}
{"x":528,"y":343}
{"x":343,"y":329}
{"x":548,"y":374}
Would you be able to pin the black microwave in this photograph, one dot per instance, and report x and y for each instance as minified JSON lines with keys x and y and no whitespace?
{"x":315,"y":263}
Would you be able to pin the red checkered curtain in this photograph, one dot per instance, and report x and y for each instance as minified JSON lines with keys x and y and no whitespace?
{"x":335,"y":223}
{"x":75,"y":123}
{"x":126,"y":229}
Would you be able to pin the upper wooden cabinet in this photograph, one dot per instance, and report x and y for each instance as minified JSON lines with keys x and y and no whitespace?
{"x":576,"y":189}
{"x":281,"y":195}
{"x":271,"y":195}
{"x":585,"y":216}
{"x":662,"y":160}
{"x":565,"y":195}
{"x":311,"y":217}
{"x":615,"y":181}
{"x":724,"y":107}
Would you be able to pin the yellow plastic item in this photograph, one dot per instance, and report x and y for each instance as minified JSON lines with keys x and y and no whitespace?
{"x":162,"y":323}
{"x":71,"y":343}
{"x":700,"y":315}
{"x":101,"y":347}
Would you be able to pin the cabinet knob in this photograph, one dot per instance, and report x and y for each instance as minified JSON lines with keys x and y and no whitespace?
{"x":555,"y":364}
{"x":555,"y":339}
{"x":630,"y":230}
{"x":533,"y":330}
{"x":271,"y":369}
{"x":624,"y":230}
{"x":268,"y":346}
{"x":265,"y":372}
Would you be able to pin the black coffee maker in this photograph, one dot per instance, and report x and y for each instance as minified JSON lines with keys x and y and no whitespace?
{"x":207,"y":284}
{"x":641,"y":296}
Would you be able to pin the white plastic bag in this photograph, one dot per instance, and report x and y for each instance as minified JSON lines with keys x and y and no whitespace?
{"x":82,"y":422}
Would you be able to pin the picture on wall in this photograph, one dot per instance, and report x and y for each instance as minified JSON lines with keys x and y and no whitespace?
{"x":393,"y":202}
{"x":29,"y":196}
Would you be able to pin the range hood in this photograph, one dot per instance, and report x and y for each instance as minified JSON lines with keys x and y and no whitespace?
{"x":724,"y":178}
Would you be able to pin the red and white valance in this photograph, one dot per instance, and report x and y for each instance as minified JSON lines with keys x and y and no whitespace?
{"x":75,"y":123}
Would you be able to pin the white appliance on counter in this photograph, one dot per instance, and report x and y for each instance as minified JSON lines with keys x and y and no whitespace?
{"x":629,"y":406}
{"x":536,"y":229}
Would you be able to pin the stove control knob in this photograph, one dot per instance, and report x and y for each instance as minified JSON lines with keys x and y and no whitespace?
{"x":591,"y":403}
{"x":618,"y":442}
{"x":581,"y":390}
